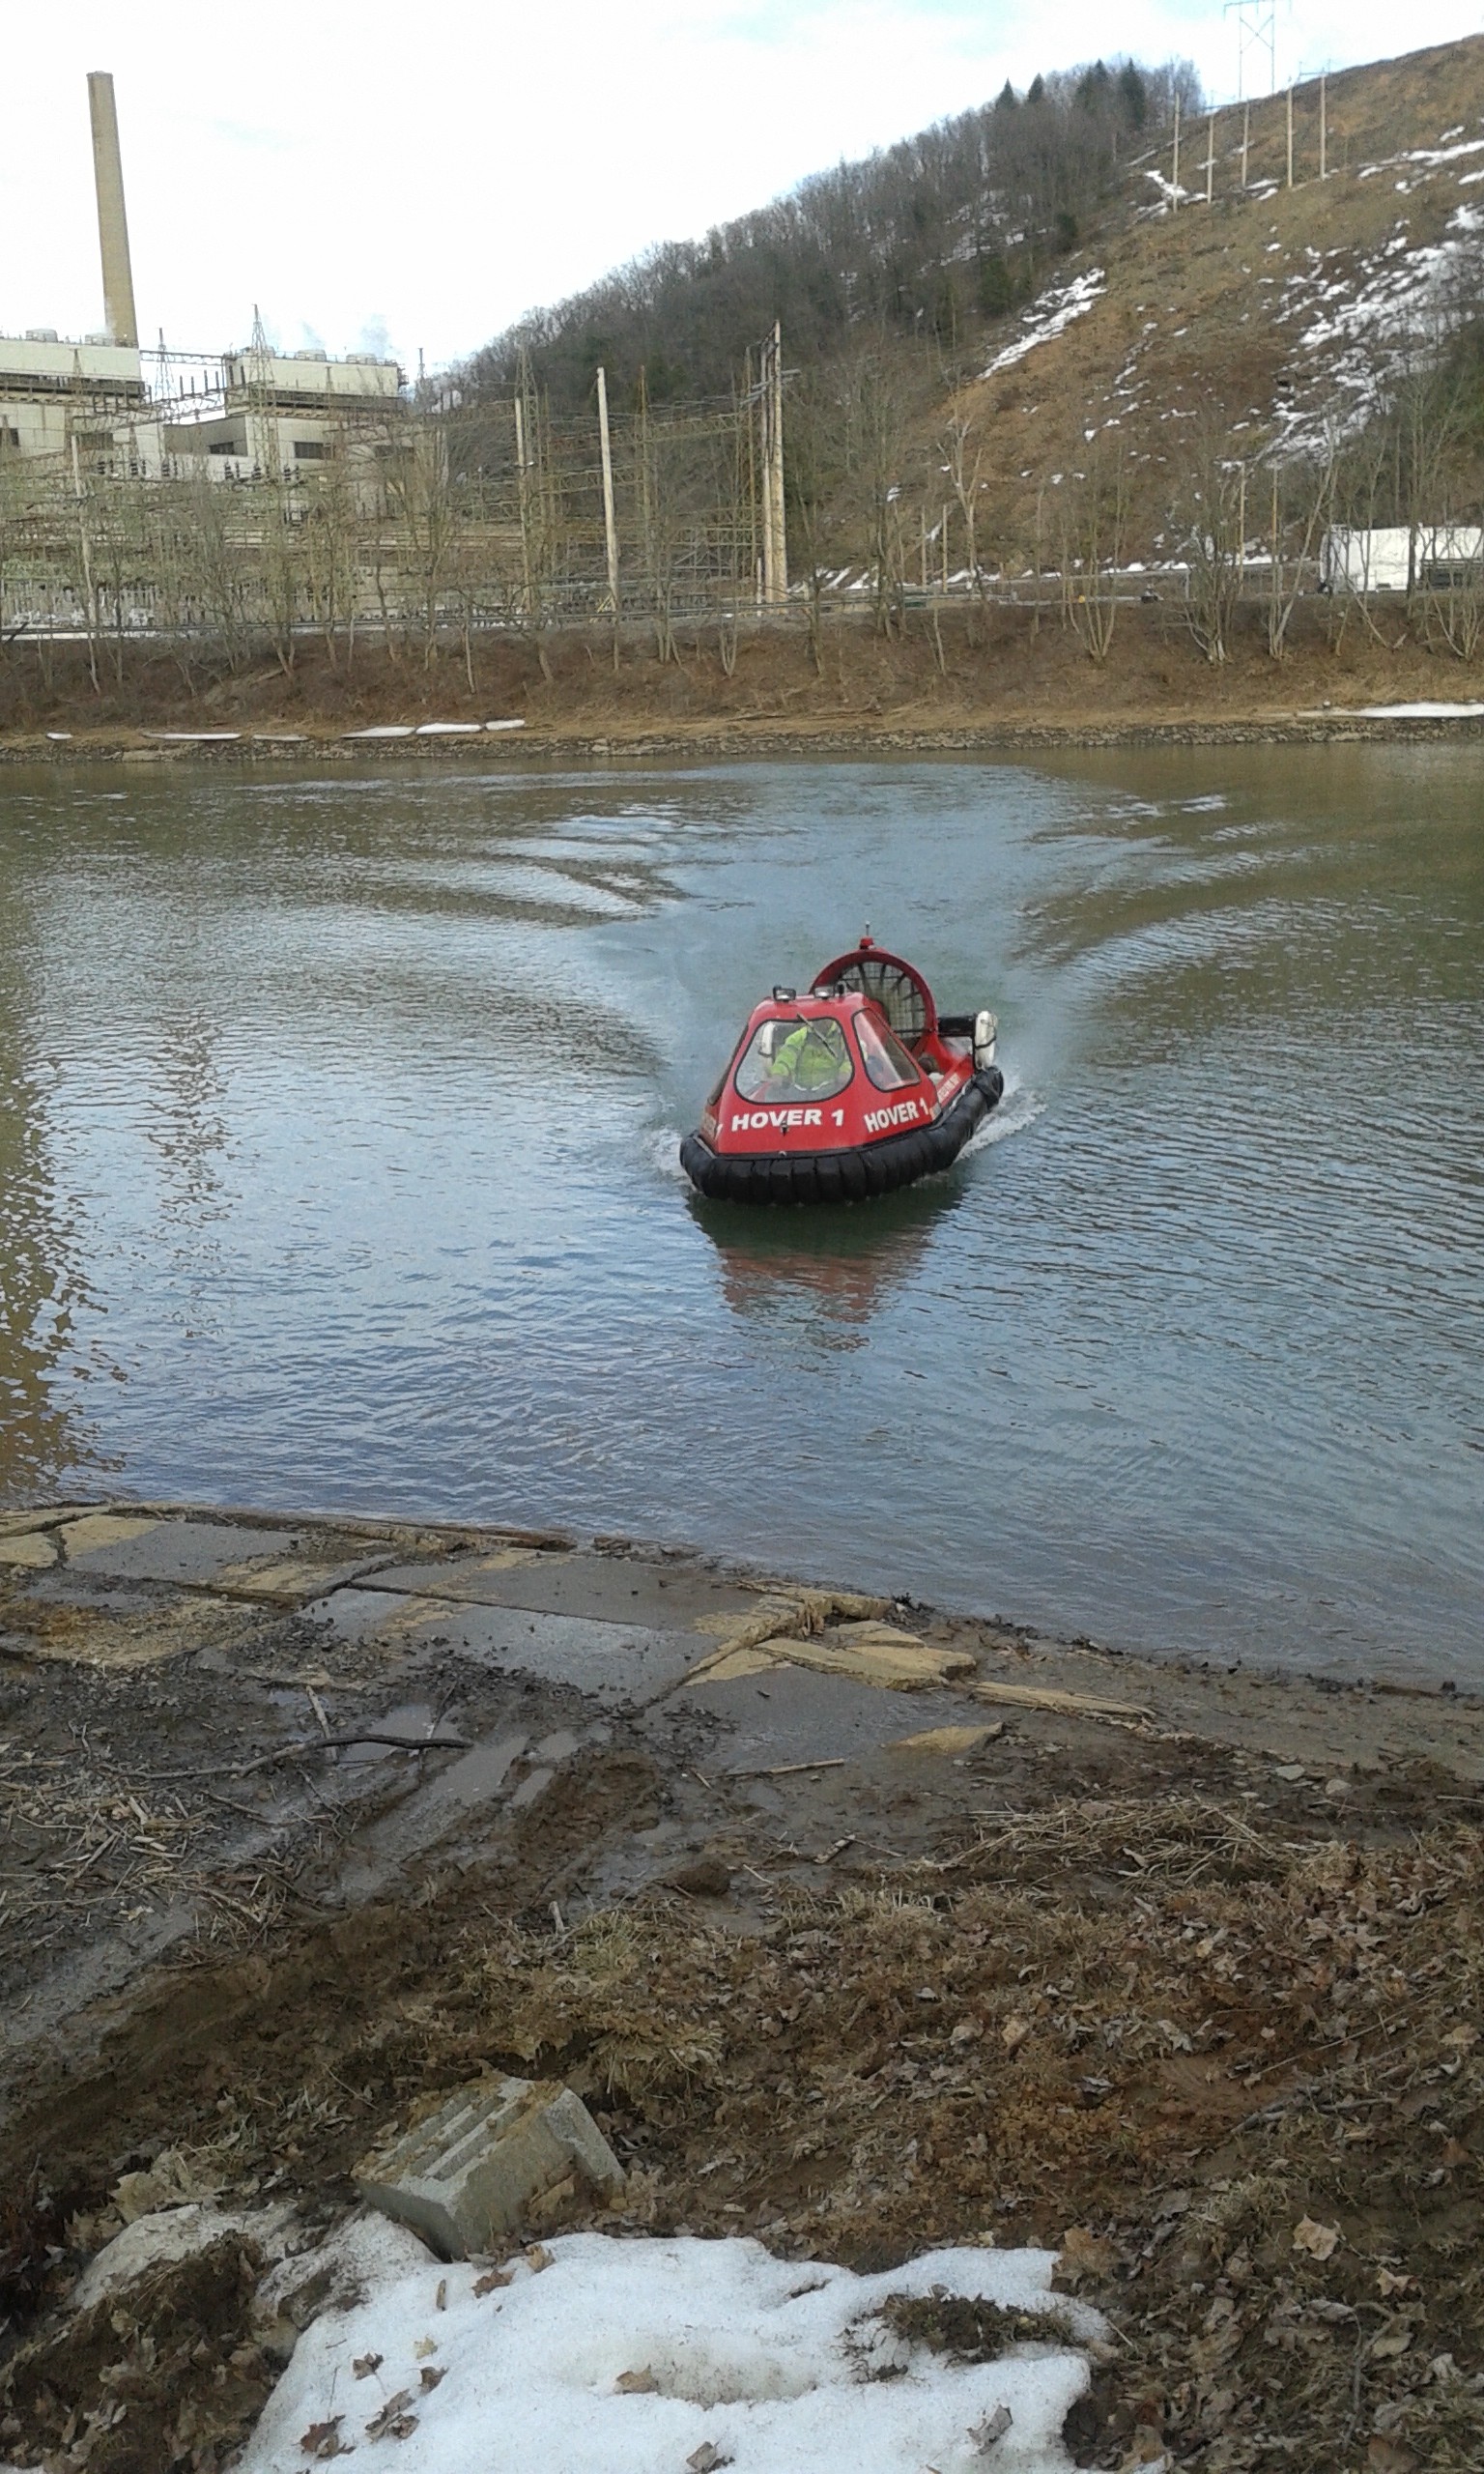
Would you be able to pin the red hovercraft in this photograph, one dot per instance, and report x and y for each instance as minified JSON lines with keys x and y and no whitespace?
{"x":855,"y":1089}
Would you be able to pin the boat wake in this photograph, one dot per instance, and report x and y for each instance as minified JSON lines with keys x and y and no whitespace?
{"x":662,"y":1148}
{"x":1018,"y":1109}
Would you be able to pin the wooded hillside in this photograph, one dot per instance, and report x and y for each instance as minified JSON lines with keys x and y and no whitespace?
{"x":934,"y":237}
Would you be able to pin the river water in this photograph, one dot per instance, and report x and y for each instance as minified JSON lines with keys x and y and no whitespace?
{"x":337,"y":1131}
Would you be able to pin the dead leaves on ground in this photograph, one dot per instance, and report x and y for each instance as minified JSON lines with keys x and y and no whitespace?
{"x":393,"y":2421}
{"x":323,"y":2440}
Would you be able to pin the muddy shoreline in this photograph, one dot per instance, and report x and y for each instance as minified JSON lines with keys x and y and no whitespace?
{"x":862,"y":1928}
{"x":1006,"y":678}
{"x":750,"y":742}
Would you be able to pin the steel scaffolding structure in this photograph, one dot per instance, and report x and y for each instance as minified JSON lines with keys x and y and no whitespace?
{"x":182,"y":511}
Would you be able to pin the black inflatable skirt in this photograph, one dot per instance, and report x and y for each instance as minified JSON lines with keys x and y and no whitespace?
{"x":844,"y":1176}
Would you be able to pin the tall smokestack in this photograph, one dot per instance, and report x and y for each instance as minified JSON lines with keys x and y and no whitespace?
{"x":112,"y":225}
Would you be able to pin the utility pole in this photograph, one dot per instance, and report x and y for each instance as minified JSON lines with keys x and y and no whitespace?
{"x":1289,"y":137}
{"x":775,"y":546}
{"x":610,"y":527}
{"x":1247,"y":131}
{"x":524,"y":401}
{"x":1175,"y":167}
{"x":1211,"y":152}
{"x":1324,"y":126}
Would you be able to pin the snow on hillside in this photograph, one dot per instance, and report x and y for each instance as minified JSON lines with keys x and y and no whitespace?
{"x":1360,"y":318}
{"x":1052,"y":311}
{"x":1397,"y":250}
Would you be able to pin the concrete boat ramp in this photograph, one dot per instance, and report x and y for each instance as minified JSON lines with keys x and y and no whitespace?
{"x":219,"y":1724}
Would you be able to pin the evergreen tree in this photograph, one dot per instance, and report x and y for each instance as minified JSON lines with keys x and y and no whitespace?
{"x":1133,"y":95}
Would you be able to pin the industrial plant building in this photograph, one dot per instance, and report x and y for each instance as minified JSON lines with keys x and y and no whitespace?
{"x":101,"y":406}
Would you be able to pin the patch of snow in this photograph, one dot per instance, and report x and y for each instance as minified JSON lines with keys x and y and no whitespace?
{"x":633,"y":2356}
{"x":1048,"y":316}
{"x":1441,"y":154}
{"x":1429,"y":712}
{"x":1360,"y":332}
{"x":1171,"y":193}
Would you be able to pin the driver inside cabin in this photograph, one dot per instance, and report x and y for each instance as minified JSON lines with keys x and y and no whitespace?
{"x":793,"y":1060}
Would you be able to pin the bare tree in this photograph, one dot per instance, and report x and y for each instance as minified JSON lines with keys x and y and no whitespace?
{"x":330,"y":533}
{"x":818,"y":464}
{"x":1094,"y":511}
{"x":1301,"y":494}
{"x":1212,"y":514}
{"x":877,"y":408}
{"x":1449,"y":583}
{"x":963,"y":461}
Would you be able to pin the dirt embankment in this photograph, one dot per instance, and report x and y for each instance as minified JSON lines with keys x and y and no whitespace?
{"x":1005,"y":676}
{"x":1179,"y":1972}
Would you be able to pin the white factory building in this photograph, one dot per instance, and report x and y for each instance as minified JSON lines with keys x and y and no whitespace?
{"x":99,"y":406}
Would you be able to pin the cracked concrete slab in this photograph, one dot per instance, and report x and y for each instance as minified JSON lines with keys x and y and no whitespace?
{"x":29,"y":1551}
{"x":619,"y":1665}
{"x":240,"y":1560}
{"x":145,"y":1548}
{"x":612,"y":1588}
{"x":293,"y":1580}
{"x":104,"y":1533}
{"x":798,"y":1713}
{"x":15,"y":1524}
{"x":59,"y":1618}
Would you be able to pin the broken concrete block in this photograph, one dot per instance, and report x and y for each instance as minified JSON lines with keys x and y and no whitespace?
{"x":1066,"y":1705}
{"x":955,"y":1744}
{"x":493,"y":2155}
{"x":866,"y":1652}
{"x":33,"y":1551}
{"x":874,"y":1654}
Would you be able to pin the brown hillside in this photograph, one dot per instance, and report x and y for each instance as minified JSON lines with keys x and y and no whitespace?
{"x":1272,"y":306}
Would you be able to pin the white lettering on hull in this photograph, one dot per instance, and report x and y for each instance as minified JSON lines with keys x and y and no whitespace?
{"x":758,"y":1120}
{"x":904,"y":1113}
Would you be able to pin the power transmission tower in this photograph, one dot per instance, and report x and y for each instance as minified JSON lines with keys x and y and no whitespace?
{"x":1257,"y":30}
{"x":262,"y":410}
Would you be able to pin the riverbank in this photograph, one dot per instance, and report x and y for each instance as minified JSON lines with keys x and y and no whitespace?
{"x":860,"y":1928}
{"x":1004,"y":678}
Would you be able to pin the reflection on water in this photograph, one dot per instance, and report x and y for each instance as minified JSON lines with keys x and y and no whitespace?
{"x":816,"y":1278}
{"x":337,"y":1166}
{"x":43,"y":1290}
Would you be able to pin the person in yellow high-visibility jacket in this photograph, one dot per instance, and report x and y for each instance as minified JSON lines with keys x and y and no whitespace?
{"x":809,"y":1059}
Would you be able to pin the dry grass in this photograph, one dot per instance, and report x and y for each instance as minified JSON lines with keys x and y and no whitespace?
{"x":78,"y":1846}
{"x":1158,"y":2020}
{"x":1236,"y":2066}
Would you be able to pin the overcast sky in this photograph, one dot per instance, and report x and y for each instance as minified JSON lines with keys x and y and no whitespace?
{"x":415,"y":178}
